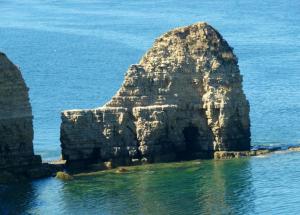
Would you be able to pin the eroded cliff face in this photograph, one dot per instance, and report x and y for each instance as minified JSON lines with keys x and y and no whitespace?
{"x":16,"y":130}
{"x":183,"y":100}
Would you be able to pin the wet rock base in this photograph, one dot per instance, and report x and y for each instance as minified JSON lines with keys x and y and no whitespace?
{"x":255,"y":151}
{"x":30,"y":169}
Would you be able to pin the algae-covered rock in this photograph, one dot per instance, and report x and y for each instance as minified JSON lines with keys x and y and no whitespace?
{"x":261,"y":152}
{"x":122,"y":170}
{"x":219,"y":155}
{"x":64,"y":176}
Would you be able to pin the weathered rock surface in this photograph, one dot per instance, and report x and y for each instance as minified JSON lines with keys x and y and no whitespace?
{"x":16,"y":131}
{"x":183,"y":100}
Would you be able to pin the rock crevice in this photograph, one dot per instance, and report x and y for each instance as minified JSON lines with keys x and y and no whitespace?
{"x":183,"y":100}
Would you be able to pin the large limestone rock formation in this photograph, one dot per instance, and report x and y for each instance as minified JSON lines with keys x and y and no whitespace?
{"x":183,"y":100}
{"x":16,"y":131}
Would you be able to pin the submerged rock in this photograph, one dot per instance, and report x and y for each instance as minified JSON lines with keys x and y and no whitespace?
{"x":220,"y":155}
{"x":64,"y":176}
{"x":16,"y":131}
{"x":183,"y":100}
{"x":122,"y":170}
{"x":294,"y":148}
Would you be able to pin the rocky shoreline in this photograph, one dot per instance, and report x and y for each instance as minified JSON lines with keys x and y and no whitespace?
{"x":255,"y":151}
{"x":61,"y":171}
{"x":92,"y":169}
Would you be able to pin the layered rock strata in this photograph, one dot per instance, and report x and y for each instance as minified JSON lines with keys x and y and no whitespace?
{"x":16,"y":130}
{"x":183,"y":100}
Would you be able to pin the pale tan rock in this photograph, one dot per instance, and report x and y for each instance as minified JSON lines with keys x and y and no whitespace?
{"x":108,"y":165}
{"x":184,"y":99}
{"x":294,"y":148}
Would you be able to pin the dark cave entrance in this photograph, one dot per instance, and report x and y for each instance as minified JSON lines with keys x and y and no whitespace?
{"x":191,"y":137}
{"x":192,"y":145}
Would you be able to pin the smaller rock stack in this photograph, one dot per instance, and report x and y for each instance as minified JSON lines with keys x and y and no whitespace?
{"x":17,"y":159}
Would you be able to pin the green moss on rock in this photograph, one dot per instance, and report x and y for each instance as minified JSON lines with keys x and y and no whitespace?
{"x":64,"y":176}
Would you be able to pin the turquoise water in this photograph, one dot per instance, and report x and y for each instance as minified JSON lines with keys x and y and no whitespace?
{"x":74,"y":53}
{"x":261,"y":185}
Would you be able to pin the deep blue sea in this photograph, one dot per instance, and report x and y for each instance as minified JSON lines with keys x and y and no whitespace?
{"x":74,"y":53}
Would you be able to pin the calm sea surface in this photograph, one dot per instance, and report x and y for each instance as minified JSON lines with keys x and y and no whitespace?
{"x":74,"y":53}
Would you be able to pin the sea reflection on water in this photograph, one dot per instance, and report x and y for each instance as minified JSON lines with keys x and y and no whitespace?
{"x":258,"y":185}
{"x":226,"y":188}
{"x":38,"y":197}
{"x":208,"y":187}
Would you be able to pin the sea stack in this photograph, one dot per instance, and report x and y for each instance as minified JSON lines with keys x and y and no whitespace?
{"x":17,"y":159}
{"x":183,"y":100}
